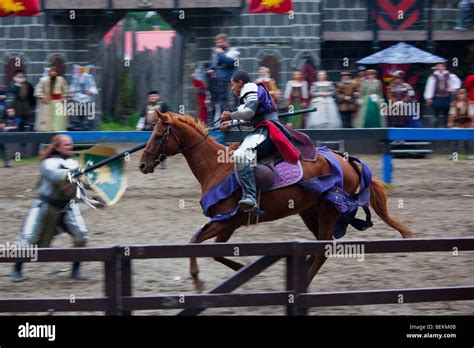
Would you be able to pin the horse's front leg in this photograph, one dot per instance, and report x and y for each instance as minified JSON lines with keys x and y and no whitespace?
{"x":221,"y":228}
{"x":194,"y":268}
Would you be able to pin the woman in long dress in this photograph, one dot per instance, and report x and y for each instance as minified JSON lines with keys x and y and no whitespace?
{"x":296,"y":93}
{"x":322,"y":97}
{"x":51,"y":90}
{"x":370,"y":98}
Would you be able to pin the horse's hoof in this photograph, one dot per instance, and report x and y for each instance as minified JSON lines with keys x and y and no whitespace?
{"x":199,"y":285}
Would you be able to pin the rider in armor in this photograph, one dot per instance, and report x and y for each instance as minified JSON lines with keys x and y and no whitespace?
{"x":55,"y":208}
{"x":256,"y":106}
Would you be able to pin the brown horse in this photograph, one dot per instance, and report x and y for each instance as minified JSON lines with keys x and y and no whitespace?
{"x":175,"y":134}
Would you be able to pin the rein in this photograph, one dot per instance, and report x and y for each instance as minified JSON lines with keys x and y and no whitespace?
{"x":160,"y":156}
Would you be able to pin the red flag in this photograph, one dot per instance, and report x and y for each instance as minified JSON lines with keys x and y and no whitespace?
{"x":274,"y":6}
{"x":19,"y":8}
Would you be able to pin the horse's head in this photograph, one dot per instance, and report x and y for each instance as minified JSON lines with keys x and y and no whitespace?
{"x":163,"y":142}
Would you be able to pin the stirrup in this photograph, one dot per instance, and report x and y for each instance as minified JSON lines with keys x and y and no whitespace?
{"x":247,"y":206}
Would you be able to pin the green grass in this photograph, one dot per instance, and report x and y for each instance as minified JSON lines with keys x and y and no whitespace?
{"x":27,"y":160}
{"x":130,"y":125}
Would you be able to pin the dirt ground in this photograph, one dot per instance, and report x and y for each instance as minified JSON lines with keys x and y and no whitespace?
{"x":437,"y":197}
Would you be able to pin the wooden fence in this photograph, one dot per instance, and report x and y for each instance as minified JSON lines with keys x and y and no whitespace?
{"x":118,"y":296}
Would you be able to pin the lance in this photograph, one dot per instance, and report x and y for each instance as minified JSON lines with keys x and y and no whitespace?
{"x":143,"y":145}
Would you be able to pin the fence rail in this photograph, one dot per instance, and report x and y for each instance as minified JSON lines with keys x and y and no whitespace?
{"x":118,"y":299}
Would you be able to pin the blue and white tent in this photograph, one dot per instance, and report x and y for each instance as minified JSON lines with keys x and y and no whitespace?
{"x":402,"y":53}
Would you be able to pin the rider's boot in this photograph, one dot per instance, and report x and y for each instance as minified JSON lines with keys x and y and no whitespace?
{"x":249,"y":189}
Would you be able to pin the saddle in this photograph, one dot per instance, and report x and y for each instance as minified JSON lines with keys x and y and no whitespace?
{"x":272,"y":172}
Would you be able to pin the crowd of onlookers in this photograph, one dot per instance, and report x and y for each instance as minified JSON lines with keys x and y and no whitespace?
{"x":49,"y":106}
{"x":360,"y":101}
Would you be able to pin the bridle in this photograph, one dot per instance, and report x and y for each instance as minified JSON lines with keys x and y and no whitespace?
{"x":159,"y":154}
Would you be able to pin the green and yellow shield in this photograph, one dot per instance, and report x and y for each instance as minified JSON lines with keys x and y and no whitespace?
{"x":108,"y":181}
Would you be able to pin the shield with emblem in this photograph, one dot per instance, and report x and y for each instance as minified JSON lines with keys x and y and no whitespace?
{"x":108,"y":181}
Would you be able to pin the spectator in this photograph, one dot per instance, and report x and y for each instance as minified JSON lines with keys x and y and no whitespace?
{"x":322,"y":94}
{"x":465,"y":14}
{"x":296,"y":93}
{"x":346,"y":98}
{"x":469,"y":86}
{"x":83,"y":89}
{"x":439,"y":86}
{"x":399,"y":94}
{"x":361,"y":74}
{"x":370,"y":98}
{"x":3,"y":98}
{"x":10,"y":123}
{"x":22,"y":100}
{"x":461,"y":115}
{"x":265,"y":79}
{"x":52,"y":91}
{"x":199,"y":81}
{"x":148,"y":117}
{"x":281,"y":102}
{"x":223,"y":65}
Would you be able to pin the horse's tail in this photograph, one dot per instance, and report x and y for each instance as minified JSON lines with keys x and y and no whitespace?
{"x":378,"y":201}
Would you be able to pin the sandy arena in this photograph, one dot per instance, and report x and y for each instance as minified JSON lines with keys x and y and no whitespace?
{"x":437,"y":197}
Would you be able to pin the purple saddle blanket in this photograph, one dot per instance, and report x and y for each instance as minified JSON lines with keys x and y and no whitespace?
{"x":269,"y":177}
{"x":329,"y":187}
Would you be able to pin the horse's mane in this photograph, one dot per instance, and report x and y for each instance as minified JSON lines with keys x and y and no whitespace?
{"x":191,"y":121}
{"x":188,"y":119}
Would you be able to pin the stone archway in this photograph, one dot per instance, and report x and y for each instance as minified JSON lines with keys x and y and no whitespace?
{"x":307,"y":63}
{"x":271,"y":58}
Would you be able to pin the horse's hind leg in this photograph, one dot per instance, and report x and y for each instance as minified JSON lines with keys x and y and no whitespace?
{"x":327,"y":218}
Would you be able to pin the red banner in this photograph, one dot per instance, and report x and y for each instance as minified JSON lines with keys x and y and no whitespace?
{"x":398,"y":14}
{"x":273,"y":6}
{"x":19,"y":8}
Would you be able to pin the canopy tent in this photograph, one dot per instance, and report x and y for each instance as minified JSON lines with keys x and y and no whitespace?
{"x":401,"y":53}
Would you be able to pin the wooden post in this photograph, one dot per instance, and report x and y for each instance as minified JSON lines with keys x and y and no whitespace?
{"x":112,"y":285}
{"x":296,"y":274}
{"x":126,"y":273}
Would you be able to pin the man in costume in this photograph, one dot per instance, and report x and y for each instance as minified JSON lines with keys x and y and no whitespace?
{"x":258,"y":107}
{"x":440,"y":86}
{"x":148,"y":118}
{"x":461,"y":115}
{"x":56,"y":206}
{"x":346,"y":98}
